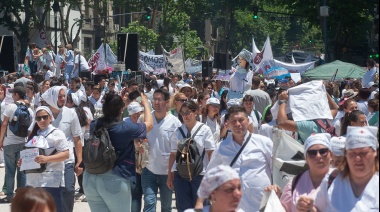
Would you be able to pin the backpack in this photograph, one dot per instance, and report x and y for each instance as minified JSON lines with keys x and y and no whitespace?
{"x":99,"y":154}
{"x":188,"y":159}
{"x":21,"y":121}
{"x":332,"y":177}
{"x":328,"y":127}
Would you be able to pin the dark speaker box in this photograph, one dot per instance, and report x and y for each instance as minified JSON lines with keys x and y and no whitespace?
{"x":8,"y":56}
{"x":206,"y":69}
{"x":217,"y":62}
{"x":129,"y":48}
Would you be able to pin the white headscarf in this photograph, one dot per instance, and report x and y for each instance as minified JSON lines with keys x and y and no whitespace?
{"x":318,"y":138}
{"x":51,"y":96}
{"x":359,"y":137}
{"x":214,"y":178}
{"x":337,"y":145}
{"x":47,"y":109}
{"x":78,"y":97}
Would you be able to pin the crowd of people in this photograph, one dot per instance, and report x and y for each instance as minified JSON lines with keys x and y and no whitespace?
{"x":231,"y":124}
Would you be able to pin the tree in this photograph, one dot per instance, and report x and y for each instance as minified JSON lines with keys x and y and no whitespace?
{"x":151,"y":37}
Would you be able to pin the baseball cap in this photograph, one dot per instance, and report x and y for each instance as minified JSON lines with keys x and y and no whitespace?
{"x":20,"y":90}
{"x":134,"y":107}
{"x":212,"y":101}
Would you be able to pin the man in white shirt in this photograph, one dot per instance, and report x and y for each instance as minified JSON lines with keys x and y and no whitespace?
{"x":12,"y":144}
{"x":155,"y":174}
{"x":80,"y":64}
{"x":254,"y":164}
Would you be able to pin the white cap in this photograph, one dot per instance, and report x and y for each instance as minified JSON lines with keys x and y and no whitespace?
{"x":359,"y":137}
{"x":134,"y":107}
{"x":337,"y":145}
{"x":213,"y":101}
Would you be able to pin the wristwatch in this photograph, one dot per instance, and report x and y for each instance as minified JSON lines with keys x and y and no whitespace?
{"x":281,"y":101}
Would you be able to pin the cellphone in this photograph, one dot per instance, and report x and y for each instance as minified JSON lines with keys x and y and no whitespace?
{"x":134,"y":95}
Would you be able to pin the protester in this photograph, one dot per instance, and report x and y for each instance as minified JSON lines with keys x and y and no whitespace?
{"x":369,"y":76}
{"x":80,"y":64}
{"x":12,"y":144}
{"x":255,"y":163}
{"x":221,"y":186}
{"x":249,"y":106}
{"x":348,"y":106}
{"x":241,"y":79}
{"x":52,"y":179}
{"x":114,"y":194}
{"x":69,"y":59}
{"x":202,"y":99}
{"x":176,"y":103}
{"x":33,"y":200}
{"x":373,"y":116}
{"x":185,"y":190}
{"x":155,"y":175}
{"x":337,"y":149}
{"x":59,"y":61}
{"x":96,"y":97}
{"x":211,"y":117}
{"x":45,"y":85}
{"x":261,"y":98}
{"x":355,"y":188}
{"x":355,"y":118}
{"x":317,"y":155}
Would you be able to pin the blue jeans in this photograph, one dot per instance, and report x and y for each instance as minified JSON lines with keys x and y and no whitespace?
{"x":68,"y":71}
{"x":186,"y":191}
{"x":107,"y":192}
{"x":11,"y":156}
{"x":136,"y":194}
{"x":150,"y":183}
{"x":69,"y":190}
{"x":57,"y":196}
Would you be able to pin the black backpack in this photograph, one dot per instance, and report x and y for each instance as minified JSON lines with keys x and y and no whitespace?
{"x":188,"y":159}
{"x":99,"y":154}
{"x":21,"y":121}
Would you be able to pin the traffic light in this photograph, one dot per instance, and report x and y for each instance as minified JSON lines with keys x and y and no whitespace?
{"x":255,"y":12}
{"x":148,"y":13}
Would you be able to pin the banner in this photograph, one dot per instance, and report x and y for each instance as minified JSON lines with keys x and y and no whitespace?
{"x":97,"y":60}
{"x":154,"y":61}
{"x":174,"y":60}
{"x":288,"y":158}
{"x":294,"y":68}
{"x":193,"y":66}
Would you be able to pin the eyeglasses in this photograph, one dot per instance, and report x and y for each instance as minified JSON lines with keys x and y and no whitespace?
{"x":313,"y":153}
{"x":181,"y":100}
{"x":39,"y":118}
{"x":356,"y":154}
{"x":186,"y":113}
{"x":159,"y":100}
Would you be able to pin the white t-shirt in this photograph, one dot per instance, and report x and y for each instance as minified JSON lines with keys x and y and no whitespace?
{"x":214,"y":127}
{"x":48,"y":75}
{"x":159,"y":143}
{"x":256,"y":122}
{"x":10,"y":138}
{"x":83,"y":63}
{"x":53,"y":176}
{"x":340,"y":197}
{"x":204,"y":140}
{"x":267,"y":129}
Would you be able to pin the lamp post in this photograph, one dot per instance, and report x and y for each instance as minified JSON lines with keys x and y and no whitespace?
{"x":56,"y":9}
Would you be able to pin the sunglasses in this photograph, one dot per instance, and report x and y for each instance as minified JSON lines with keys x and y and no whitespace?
{"x":313,"y":153}
{"x":38,"y":118}
{"x":186,"y":113}
{"x":181,"y":100}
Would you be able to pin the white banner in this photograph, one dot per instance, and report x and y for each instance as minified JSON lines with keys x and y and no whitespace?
{"x":98,"y":61}
{"x":193,"y":66}
{"x":295,"y":68}
{"x":288,"y":158}
{"x":154,"y":61}
{"x":174,"y":60}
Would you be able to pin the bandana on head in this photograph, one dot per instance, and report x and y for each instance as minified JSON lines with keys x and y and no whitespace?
{"x":233,"y":102}
{"x":78,"y":97}
{"x":360,"y":137}
{"x":214,"y":178}
{"x":246,"y":55}
{"x":318,"y":138}
{"x":337,"y":145}
{"x":47,"y":109}
{"x":51,"y":96}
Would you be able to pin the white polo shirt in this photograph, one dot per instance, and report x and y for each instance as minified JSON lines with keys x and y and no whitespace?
{"x":204,"y":140}
{"x":159,"y":143}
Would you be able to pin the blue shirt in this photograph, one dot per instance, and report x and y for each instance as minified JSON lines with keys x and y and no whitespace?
{"x":122,"y":135}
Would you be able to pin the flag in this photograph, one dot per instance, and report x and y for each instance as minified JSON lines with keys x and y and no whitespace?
{"x":174,"y":60}
{"x":262,"y":59}
{"x":295,"y":68}
{"x":97,"y":62}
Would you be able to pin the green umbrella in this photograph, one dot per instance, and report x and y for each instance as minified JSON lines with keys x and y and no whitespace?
{"x":328,"y":70}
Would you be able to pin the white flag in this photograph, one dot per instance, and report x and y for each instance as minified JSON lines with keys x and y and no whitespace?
{"x":97,"y":59}
{"x":263,"y":58}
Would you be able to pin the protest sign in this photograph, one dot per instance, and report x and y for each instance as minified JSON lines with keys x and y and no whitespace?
{"x":153,"y":61}
{"x":28,"y":156}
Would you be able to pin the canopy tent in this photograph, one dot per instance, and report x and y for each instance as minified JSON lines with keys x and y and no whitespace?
{"x":328,"y":70}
